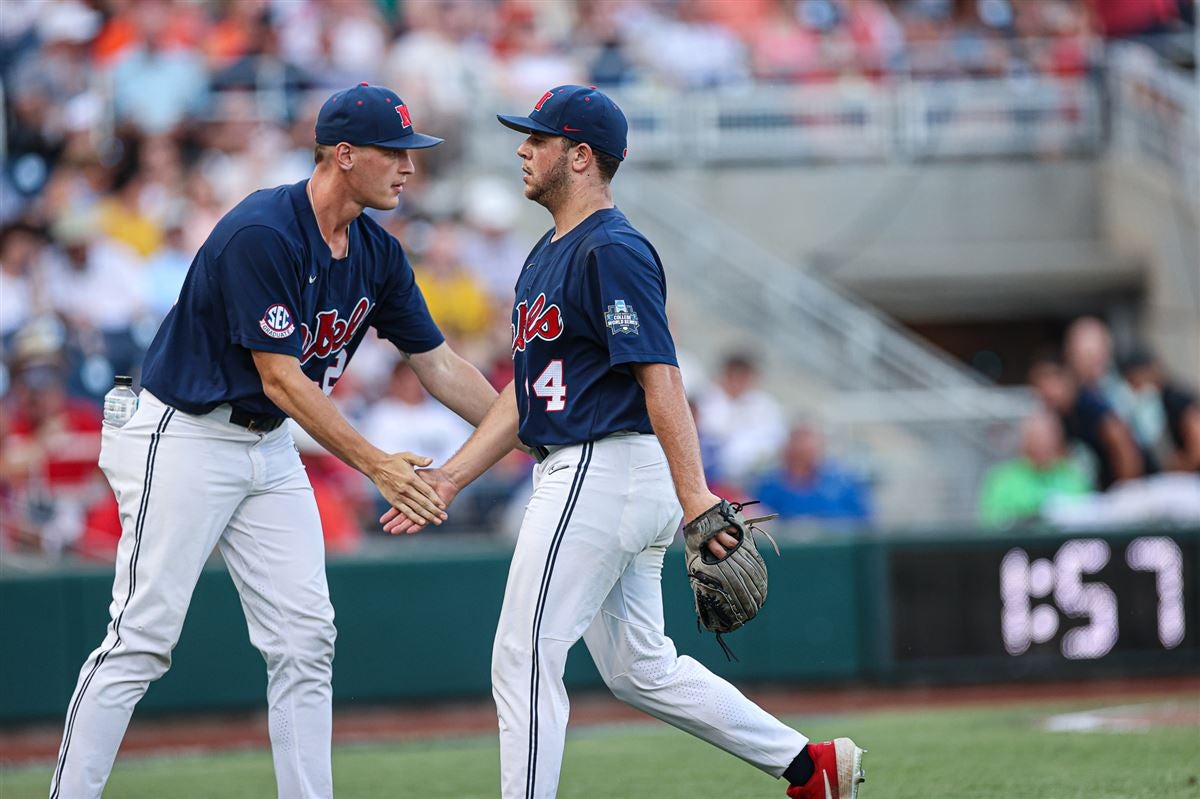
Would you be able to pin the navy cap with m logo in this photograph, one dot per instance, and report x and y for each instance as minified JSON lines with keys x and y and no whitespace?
{"x":371,"y":115}
{"x":580,"y":113}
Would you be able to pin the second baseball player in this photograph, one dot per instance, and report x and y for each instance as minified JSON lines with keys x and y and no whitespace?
{"x":597,"y":388}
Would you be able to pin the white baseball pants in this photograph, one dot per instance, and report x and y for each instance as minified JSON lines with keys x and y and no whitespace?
{"x":588,"y":562}
{"x":186,"y":484}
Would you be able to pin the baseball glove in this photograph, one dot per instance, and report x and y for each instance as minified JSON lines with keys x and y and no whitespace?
{"x":729,"y":592}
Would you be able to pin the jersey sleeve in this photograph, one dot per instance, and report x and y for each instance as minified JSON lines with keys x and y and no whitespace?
{"x":260,"y":281}
{"x":626,"y":300}
{"x":1093,"y":408}
{"x":401,"y":315}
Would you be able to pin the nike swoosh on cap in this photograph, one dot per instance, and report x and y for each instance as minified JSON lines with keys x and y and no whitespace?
{"x":570,"y":129}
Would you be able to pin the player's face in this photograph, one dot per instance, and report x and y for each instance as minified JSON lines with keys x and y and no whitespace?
{"x":544,"y":162}
{"x":379,"y":175}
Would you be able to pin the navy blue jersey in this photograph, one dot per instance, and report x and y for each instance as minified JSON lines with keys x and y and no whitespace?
{"x":587,"y":306}
{"x":266,"y":280}
{"x":1084,"y":422}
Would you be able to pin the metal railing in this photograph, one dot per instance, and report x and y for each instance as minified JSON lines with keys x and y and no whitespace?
{"x":1156,"y":114}
{"x":894,"y":119}
{"x":1012,"y":117}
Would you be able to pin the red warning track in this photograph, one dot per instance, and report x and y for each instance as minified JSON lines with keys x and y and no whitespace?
{"x":380,"y":724}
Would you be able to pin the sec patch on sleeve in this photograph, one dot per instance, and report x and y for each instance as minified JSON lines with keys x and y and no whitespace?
{"x":620,"y":318}
{"x":277,"y":322}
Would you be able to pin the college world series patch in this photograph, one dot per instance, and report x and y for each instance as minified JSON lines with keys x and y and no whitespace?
{"x":621,"y":318}
{"x":277,"y":322}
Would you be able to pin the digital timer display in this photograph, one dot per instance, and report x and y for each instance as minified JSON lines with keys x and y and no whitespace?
{"x":1078,"y":599}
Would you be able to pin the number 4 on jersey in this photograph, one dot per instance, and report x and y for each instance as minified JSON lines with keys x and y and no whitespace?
{"x":550,"y":386}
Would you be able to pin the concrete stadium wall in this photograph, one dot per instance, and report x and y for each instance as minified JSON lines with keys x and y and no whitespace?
{"x":1147,"y":218}
{"x":981,"y":240}
{"x":418,"y":626}
{"x":932,"y":241}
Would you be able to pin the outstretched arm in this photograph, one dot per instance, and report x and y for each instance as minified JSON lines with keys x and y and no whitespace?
{"x":286,"y":385}
{"x":491,"y":441}
{"x":672,"y":421}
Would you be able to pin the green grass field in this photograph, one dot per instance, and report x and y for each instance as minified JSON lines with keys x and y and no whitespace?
{"x":976,"y":753}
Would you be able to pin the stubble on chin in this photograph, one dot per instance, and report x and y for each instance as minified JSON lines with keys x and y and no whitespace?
{"x":553,"y":188}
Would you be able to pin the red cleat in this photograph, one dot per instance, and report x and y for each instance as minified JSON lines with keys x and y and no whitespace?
{"x":838,"y":771}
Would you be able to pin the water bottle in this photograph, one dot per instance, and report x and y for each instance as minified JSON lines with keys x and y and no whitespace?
{"x":120,"y":402}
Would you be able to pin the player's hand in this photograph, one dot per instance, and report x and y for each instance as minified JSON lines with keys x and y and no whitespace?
{"x":720,"y":544}
{"x":397,"y":523}
{"x":407,"y":493}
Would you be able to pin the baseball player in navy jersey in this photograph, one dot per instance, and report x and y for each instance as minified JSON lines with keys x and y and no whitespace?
{"x":597,"y":391}
{"x":274,"y":306}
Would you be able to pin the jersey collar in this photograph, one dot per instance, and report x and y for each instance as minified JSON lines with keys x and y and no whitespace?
{"x":588,"y":223}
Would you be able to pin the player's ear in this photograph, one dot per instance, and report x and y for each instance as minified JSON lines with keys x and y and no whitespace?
{"x":343,"y":156}
{"x":582,"y":157}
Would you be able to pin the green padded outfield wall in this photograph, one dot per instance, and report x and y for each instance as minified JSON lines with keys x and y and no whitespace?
{"x":417,"y":625}
{"x":414,"y":626}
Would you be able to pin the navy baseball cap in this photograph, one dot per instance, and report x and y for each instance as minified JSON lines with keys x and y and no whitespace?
{"x":372,"y":115}
{"x":580,"y":113}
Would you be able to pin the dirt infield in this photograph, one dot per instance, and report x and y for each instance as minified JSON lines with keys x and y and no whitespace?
{"x":248,"y":730}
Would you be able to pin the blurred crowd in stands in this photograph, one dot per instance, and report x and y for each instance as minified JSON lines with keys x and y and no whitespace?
{"x":131,"y":126}
{"x":1114,"y":440}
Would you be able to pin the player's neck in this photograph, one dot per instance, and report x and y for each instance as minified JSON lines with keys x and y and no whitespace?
{"x":334,"y":211}
{"x":578,"y":206}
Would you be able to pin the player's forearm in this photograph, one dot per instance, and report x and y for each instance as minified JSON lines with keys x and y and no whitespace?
{"x":495,"y":436}
{"x":299,"y":398}
{"x":672,"y":421}
{"x":1126,"y":460}
{"x":454,"y":382}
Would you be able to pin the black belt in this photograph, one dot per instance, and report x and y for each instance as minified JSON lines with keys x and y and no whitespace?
{"x":253,"y":423}
{"x":542,"y":451}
